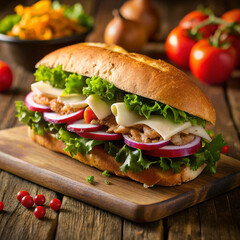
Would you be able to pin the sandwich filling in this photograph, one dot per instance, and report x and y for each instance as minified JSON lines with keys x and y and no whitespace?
{"x":139,"y":132}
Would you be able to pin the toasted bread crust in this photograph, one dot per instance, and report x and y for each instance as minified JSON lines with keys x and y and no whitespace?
{"x":100,"y":159}
{"x":135,"y":73}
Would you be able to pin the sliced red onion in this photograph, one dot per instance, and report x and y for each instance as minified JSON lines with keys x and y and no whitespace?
{"x":81,"y":126}
{"x":31,"y":105}
{"x":69,"y":118}
{"x":172,"y":151}
{"x":101,"y":135}
{"x":144,"y":146}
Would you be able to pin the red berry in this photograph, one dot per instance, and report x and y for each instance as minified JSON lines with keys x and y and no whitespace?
{"x":39,"y":199}
{"x":21,"y":194}
{"x":225,"y":149}
{"x":55,"y":204}
{"x":27,"y":201}
{"x":1,"y":206}
{"x":39,"y":212}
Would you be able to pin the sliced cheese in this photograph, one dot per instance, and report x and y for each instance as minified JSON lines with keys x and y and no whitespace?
{"x":46,"y":89}
{"x":99,"y":107}
{"x":161,"y":125}
{"x":74,"y":100}
{"x":198,"y":131}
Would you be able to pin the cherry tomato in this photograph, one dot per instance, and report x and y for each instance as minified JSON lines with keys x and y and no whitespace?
{"x":195,"y":17}
{"x":21,"y":194}
{"x":55,"y":204}
{"x":225,"y":149}
{"x":6,"y":76}
{"x":39,"y":212}
{"x":1,"y":206}
{"x":212,"y":64}
{"x":232,"y":15}
{"x":39,"y":199}
{"x":89,"y":115}
{"x":178,"y":46}
{"x":27,"y":201}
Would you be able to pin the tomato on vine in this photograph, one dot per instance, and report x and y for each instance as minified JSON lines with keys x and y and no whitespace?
{"x":178,"y":46}
{"x":212,"y":64}
{"x":192,"y":19}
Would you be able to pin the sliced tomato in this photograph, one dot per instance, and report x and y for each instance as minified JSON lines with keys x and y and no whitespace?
{"x":89,"y":115}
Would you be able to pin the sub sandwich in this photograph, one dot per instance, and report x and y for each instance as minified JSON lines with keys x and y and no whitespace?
{"x":121,"y":112}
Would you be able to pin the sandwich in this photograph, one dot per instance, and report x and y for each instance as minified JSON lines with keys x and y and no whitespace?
{"x":121,"y":112}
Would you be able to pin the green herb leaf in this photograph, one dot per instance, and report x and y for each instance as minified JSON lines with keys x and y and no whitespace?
{"x":7,"y":23}
{"x":90,"y":179}
{"x":106,"y":173}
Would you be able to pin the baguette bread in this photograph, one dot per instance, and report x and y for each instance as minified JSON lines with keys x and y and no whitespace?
{"x":134,"y":73}
{"x":137,"y":74}
{"x":101,"y":160}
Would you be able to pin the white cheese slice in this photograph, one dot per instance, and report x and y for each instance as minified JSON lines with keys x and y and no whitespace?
{"x":74,"y":100}
{"x":99,"y":107}
{"x":198,"y":131}
{"x":46,"y":89}
{"x":161,"y":125}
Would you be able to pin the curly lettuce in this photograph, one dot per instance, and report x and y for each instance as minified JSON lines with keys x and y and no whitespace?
{"x":147,"y":107}
{"x":104,"y":89}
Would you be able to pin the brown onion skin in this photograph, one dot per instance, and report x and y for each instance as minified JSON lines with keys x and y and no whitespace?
{"x":128,"y":34}
{"x":142,"y":11}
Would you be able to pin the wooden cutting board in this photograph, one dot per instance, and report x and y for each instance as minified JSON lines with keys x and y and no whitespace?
{"x":21,"y":156}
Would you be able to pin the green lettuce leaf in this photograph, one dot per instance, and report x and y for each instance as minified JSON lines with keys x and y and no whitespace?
{"x":74,"y":84}
{"x":7,"y":23}
{"x":147,"y":107}
{"x":55,"y":76}
{"x":34,"y":120}
{"x":76,"y":144}
{"x":104,"y":89}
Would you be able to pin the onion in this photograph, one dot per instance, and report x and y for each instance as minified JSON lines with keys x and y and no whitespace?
{"x":177,"y":151}
{"x":144,"y":146}
{"x":69,"y":118}
{"x":31,"y":105}
{"x":143,"y":12}
{"x":81,"y":126}
{"x":128,"y":34}
{"x":101,"y":135}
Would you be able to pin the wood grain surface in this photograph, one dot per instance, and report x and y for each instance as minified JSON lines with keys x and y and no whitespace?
{"x":23,"y":157}
{"x":77,"y":220}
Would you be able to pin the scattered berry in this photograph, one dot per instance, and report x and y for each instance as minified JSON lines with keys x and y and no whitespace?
{"x":39,"y":212}
{"x":225,"y":149}
{"x":39,"y":199}
{"x":21,"y":194}
{"x":1,"y":206}
{"x":27,"y":201}
{"x":55,"y":204}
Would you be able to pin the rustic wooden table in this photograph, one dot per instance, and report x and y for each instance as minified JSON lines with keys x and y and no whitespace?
{"x":218,"y":218}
